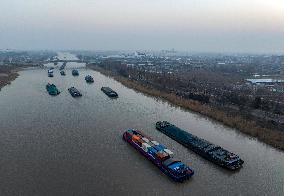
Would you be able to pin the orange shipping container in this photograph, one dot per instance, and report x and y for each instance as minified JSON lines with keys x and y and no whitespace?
{"x":161,"y":155}
{"x":135,"y":137}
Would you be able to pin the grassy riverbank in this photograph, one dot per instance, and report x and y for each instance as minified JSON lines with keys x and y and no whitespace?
{"x":272,"y":137}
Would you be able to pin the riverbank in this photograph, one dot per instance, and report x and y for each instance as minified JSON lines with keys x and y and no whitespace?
{"x":7,"y":75}
{"x":10,"y":73}
{"x":272,"y":137}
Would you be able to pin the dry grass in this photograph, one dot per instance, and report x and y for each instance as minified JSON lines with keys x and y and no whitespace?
{"x":8,"y":78}
{"x":272,"y":137}
{"x":10,"y":73}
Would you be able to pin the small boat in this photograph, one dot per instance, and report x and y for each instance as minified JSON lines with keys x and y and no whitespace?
{"x":74,"y":92}
{"x":159,"y":155}
{"x":109,"y":92}
{"x":75,"y":72}
{"x":89,"y":79}
{"x":62,"y":73}
{"x":52,"y":89}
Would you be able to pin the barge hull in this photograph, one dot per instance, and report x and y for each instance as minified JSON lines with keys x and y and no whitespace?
{"x":190,"y":141}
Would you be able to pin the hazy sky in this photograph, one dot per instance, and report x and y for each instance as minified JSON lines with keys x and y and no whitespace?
{"x":191,"y":25}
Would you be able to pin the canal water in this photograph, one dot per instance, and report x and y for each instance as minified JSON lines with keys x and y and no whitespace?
{"x":73,"y":146}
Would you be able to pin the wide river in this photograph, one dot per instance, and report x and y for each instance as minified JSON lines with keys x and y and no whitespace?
{"x":73,"y":146}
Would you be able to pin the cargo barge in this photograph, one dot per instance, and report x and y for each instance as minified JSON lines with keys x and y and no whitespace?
{"x":74,"y":92}
{"x":62,"y":66}
{"x":89,"y":79}
{"x":52,"y":89}
{"x":62,"y":73}
{"x":207,"y":150}
{"x":75,"y":72}
{"x":50,"y":73}
{"x":159,"y":155}
{"x":109,"y":92}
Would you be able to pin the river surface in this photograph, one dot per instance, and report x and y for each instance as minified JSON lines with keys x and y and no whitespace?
{"x":73,"y":146}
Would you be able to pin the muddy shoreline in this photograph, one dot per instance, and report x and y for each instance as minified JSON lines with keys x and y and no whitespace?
{"x":7,"y":76}
{"x":10,"y":73}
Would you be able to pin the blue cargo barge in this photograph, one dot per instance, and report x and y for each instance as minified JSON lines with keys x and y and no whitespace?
{"x":159,"y":155}
{"x":207,"y":150}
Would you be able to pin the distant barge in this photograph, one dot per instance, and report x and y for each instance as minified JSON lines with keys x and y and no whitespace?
{"x":62,"y":73}
{"x":74,"y":92}
{"x":50,"y":73}
{"x":209,"y":151}
{"x":75,"y":72}
{"x":62,"y":66}
{"x":109,"y":92}
{"x":89,"y":79}
{"x":159,"y":155}
{"x":52,"y":89}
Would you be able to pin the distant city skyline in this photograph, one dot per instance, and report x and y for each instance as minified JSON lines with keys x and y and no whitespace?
{"x":219,"y":26}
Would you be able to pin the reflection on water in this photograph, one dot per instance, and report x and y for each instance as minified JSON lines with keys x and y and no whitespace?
{"x":72,"y":146}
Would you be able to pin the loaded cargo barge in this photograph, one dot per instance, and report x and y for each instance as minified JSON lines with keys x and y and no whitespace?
{"x":52,"y":89}
{"x":159,"y":155}
{"x":207,"y":150}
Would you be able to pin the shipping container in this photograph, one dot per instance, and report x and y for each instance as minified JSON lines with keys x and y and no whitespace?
{"x":175,"y":169}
